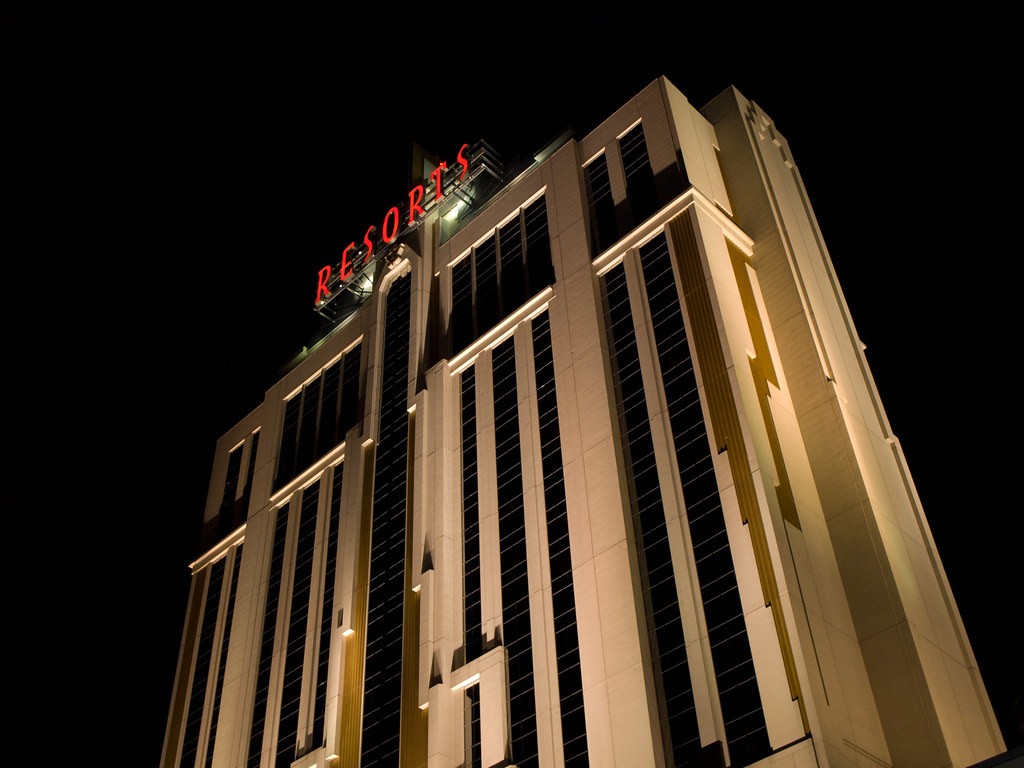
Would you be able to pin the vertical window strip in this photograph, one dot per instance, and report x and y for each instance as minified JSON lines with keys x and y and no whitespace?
{"x":487,"y":296}
{"x":383,"y":680}
{"x":308,"y":425}
{"x":515,"y":592}
{"x":348,"y":407}
{"x":289,"y":435}
{"x":738,"y":692}
{"x":462,"y":333}
{"x":327,"y":610}
{"x":567,"y":646}
{"x":538,"y":246}
{"x":223,"y":663}
{"x":227,"y":504}
{"x":665,"y":628}
{"x":474,"y":750}
{"x":328,"y":428}
{"x":634,"y":152}
{"x":242,"y":510}
{"x":266,"y":657}
{"x":513,"y":274}
{"x":470,"y":520}
{"x":317,"y":418}
{"x":636,"y":165}
{"x":511,"y":265}
{"x":295,"y":639}
{"x":204,"y":654}
{"x":604,"y":229}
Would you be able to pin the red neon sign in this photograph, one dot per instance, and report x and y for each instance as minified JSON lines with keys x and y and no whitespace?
{"x":391,"y":226}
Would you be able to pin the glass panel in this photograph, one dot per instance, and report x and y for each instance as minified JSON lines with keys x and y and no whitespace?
{"x":204,"y":653}
{"x":513,"y":287}
{"x":307,"y":429}
{"x":223,"y":663}
{"x":654,"y":558}
{"x":640,"y":189}
{"x":567,"y":644}
{"x":327,"y":609}
{"x":486,"y":286}
{"x":739,"y":696}
{"x":515,"y":588}
{"x":348,"y":413}
{"x":538,"y":246}
{"x":266,"y":657}
{"x":470,"y":518}
{"x":327,"y":432}
{"x":604,"y":230}
{"x":289,"y":434}
{"x":295,"y":643}
{"x":382,"y":690}
{"x":462,"y":305}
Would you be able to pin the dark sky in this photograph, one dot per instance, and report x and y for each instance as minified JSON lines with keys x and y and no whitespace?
{"x":177,"y":178}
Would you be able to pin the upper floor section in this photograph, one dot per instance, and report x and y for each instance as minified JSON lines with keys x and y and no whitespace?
{"x":471,"y":283}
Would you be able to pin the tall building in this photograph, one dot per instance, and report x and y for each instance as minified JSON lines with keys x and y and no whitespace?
{"x":586,"y":468}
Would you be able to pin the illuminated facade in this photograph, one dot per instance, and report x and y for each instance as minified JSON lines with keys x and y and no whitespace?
{"x":590,"y":469}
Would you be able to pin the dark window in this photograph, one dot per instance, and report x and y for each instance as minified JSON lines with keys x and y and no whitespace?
{"x":470,"y":518}
{"x":227,"y":504}
{"x":636,"y":165}
{"x":538,"y":246}
{"x":462,"y":304}
{"x":487,"y":309}
{"x":295,"y":642}
{"x":474,"y":754}
{"x":233,"y":511}
{"x":242,"y":505}
{"x":515,"y":588}
{"x":289,"y":435}
{"x":607,"y":225}
{"x":513,"y":273}
{"x":604,"y":230}
{"x":567,"y":644}
{"x":328,"y":427}
{"x":266,"y":657}
{"x":204,"y":653}
{"x":327,"y":609}
{"x":308,"y":424}
{"x":222,"y":665}
{"x":348,"y":408}
{"x":317,"y":418}
{"x":499,"y":276}
{"x":730,"y":648}
{"x":383,"y":684}
{"x":654,"y":558}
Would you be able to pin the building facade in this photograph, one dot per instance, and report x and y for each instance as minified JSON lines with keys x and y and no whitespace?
{"x":588,"y":468}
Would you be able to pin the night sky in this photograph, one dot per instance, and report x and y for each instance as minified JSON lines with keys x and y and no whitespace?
{"x":176,"y":178}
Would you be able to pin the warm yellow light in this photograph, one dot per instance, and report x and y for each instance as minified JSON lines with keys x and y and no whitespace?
{"x":348,"y":632}
{"x":467,"y":682}
{"x":453,"y":212}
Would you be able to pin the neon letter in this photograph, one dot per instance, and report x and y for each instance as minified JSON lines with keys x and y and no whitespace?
{"x":346,"y":267}
{"x":369,"y":244}
{"x":463,"y":162}
{"x":438,"y":175}
{"x":415,"y":198}
{"x":321,"y":287}
{"x":394,"y":229}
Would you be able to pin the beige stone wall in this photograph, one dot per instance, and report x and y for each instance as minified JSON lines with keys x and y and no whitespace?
{"x":858,"y":649}
{"x":899,"y":621}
